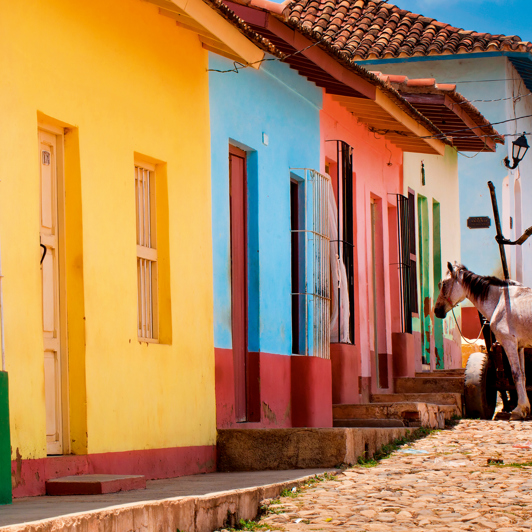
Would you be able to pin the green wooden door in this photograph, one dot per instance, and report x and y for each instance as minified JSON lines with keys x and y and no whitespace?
{"x":5,"y":443}
{"x":424,"y":286}
{"x":437,"y":274}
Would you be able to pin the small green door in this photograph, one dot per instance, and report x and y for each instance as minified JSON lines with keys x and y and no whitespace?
{"x":5,"y":443}
{"x":437,"y":266}
{"x":424,"y":286}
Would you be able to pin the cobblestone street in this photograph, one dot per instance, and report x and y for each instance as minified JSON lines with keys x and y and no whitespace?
{"x":442,"y":482}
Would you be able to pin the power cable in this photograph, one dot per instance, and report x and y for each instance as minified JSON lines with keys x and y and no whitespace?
{"x":240,"y":66}
{"x":450,"y":133}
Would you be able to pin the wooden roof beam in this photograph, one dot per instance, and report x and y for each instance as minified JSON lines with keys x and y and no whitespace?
{"x":306,"y":48}
{"x":421,"y":100}
{"x":216,"y":33}
{"x":415,"y":127}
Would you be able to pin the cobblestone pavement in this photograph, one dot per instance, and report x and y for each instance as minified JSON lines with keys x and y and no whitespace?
{"x":442,"y":482}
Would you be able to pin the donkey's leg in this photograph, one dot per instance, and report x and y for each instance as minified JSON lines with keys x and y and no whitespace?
{"x":522,"y":409}
{"x":522,"y":361}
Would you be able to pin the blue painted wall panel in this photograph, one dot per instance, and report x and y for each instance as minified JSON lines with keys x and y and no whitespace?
{"x":278,"y":102}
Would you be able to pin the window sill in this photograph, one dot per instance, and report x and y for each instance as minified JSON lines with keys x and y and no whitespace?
{"x":148,"y":340}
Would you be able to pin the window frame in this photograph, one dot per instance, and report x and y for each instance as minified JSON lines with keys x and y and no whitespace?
{"x":412,"y":219}
{"x":146,"y":251}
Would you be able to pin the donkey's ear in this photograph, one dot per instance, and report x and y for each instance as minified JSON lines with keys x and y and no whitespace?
{"x":450,"y":266}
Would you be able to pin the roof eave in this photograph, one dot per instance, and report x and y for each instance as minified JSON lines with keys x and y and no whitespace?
{"x":218,"y":29}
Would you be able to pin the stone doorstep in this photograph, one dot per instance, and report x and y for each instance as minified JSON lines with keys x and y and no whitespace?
{"x":299,"y":448}
{"x":429,"y":384}
{"x":410,"y":413}
{"x":358,"y":423}
{"x":456,"y":372}
{"x":442,"y":398}
{"x":94,"y":484}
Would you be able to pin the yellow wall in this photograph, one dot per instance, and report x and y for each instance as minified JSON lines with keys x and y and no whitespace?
{"x":125,"y":80}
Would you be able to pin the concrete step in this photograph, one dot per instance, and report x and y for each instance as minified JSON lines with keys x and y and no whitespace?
{"x":455,"y":372}
{"x":429,"y":384}
{"x":413,"y":414}
{"x":94,"y":484}
{"x":442,"y":398}
{"x":368,"y":423}
{"x":300,"y":448}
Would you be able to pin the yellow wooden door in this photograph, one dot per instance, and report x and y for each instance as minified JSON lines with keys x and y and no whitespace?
{"x":51,"y":290}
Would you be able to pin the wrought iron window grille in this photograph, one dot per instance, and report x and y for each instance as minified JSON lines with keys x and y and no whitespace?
{"x":316,"y":296}
{"x":404,"y":264}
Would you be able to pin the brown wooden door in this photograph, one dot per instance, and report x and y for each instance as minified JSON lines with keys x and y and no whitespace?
{"x":238,"y":192}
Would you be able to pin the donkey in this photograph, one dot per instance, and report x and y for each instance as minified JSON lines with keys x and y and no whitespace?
{"x":508,"y":307}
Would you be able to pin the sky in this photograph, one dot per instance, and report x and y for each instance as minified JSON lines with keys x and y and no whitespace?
{"x":507,"y":17}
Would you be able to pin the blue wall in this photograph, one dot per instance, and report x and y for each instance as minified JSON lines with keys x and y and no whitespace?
{"x":280,"y":103}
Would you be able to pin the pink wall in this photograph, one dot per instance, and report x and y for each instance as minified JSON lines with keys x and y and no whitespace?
{"x":377,"y":167}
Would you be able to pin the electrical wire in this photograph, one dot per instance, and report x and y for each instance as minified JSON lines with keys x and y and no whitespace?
{"x":450,"y":133}
{"x":515,"y":98}
{"x":482,"y":80}
{"x":240,"y":66}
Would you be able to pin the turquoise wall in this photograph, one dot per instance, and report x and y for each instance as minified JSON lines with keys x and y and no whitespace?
{"x":5,"y":442}
{"x":277,"y":102}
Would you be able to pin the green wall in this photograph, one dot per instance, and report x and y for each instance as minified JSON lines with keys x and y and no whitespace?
{"x":5,"y":442}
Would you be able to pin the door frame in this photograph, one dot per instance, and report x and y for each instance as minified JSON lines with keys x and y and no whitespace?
{"x":242,"y":413}
{"x":59,"y":134}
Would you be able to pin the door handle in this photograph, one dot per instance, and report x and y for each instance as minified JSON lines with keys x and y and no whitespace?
{"x":43,"y":253}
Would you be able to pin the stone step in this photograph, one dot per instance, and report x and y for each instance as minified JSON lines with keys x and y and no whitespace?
{"x":455,"y":372}
{"x":414,"y":414}
{"x":429,"y":384}
{"x":442,"y":398}
{"x":94,"y":484}
{"x":300,"y":448}
{"x":368,"y":423}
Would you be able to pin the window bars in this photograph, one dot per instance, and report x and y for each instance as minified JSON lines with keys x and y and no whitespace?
{"x":315,"y":297}
{"x":146,"y":251}
{"x":404,"y":247}
{"x":343,"y":246}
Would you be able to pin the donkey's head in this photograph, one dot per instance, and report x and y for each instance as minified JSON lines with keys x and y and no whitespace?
{"x":451,"y":291}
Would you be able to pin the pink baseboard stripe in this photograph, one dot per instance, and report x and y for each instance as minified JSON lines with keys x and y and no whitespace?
{"x":29,"y":476}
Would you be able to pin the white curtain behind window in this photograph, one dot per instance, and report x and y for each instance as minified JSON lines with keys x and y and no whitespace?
{"x":338,"y":278}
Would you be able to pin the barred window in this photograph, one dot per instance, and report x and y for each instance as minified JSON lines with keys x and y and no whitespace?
{"x":146,"y":251}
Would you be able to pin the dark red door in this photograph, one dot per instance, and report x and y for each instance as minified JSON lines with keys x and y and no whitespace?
{"x":238,"y":192}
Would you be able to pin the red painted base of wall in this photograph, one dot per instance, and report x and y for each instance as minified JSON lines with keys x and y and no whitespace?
{"x":470,"y":322}
{"x":29,"y":476}
{"x":269,"y":390}
{"x":311,"y":392}
{"x":345,"y":369}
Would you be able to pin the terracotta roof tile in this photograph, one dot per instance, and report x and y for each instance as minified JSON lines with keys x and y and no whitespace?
{"x":378,"y":29}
